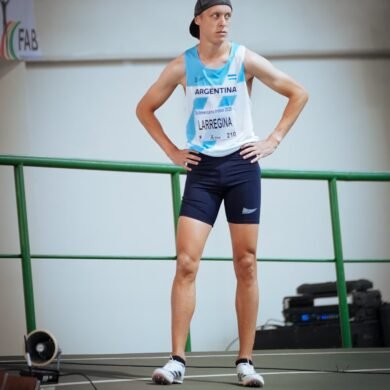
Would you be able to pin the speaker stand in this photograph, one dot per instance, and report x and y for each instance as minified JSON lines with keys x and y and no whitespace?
{"x":43,"y":375}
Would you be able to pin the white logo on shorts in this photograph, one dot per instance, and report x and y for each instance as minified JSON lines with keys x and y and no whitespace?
{"x":248,"y":211}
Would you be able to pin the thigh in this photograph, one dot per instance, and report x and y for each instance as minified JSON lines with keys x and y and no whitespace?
{"x":243,"y":196}
{"x":191,"y":237}
{"x":244,"y":239}
{"x":202,"y":196}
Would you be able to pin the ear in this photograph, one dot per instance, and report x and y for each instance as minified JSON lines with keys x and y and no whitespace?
{"x":197,"y":18}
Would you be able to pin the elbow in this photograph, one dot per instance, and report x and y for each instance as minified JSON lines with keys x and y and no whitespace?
{"x":304,"y":95}
{"x":301,"y":96}
{"x":143,"y":111}
{"x":298,"y":94}
{"x":139,"y":111}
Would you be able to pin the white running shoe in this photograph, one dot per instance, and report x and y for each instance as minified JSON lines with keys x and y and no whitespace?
{"x":172,"y":372}
{"x":247,"y":376}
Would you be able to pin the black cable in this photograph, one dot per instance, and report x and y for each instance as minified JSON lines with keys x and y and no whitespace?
{"x":80,"y":374}
{"x":337,"y":371}
{"x":11,"y":363}
{"x":12,"y":369}
{"x":114,"y":365}
{"x":9,"y":368}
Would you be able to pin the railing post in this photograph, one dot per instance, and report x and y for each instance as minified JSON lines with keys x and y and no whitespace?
{"x":176,"y":198}
{"x":338,"y":251}
{"x":25,"y":248}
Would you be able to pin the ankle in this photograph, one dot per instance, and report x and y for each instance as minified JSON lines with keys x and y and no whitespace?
{"x":244,"y":360}
{"x":179,"y":358}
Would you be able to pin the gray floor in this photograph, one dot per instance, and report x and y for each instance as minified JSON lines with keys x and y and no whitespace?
{"x":287,"y":370}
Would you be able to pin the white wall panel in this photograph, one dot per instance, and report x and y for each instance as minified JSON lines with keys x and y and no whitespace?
{"x":151,"y":29}
{"x":85,"y":109}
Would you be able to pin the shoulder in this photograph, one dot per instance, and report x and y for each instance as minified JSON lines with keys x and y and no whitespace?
{"x":257,"y":65}
{"x":174,"y":72}
{"x":176,"y":66}
{"x":252,"y":58}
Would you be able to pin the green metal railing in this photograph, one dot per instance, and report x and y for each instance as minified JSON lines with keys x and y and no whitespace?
{"x":331,"y":177}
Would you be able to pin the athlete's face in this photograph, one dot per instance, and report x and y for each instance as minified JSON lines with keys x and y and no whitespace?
{"x":214,"y":22}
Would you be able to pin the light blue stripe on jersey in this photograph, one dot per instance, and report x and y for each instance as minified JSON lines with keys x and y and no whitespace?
{"x":227,"y":101}
{"x":199,"y":75}
{"x":241,"y":75}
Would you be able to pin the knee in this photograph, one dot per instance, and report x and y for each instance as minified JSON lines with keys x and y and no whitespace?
{"x":246,"y":267}
{"x":186,"y":267}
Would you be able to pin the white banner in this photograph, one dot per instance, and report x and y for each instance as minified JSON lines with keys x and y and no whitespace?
{"x":19,"y":40}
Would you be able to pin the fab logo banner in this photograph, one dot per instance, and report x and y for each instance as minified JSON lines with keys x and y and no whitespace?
{"x":19,"y":40}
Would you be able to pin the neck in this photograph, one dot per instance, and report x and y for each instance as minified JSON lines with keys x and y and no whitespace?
{"x":209,"y":50}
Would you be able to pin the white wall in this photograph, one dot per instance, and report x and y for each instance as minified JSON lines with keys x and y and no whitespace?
{"x":80,"y":103}
{"x":13,"y":123}
{"x":67,"y":29}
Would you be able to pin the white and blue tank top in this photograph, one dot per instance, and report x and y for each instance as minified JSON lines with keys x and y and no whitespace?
{"x":218,"y":105}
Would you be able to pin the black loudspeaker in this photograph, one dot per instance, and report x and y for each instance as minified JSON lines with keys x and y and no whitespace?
{"x":385,"y":323}
{"x":41,"y":350}
{"x":326,"y":335}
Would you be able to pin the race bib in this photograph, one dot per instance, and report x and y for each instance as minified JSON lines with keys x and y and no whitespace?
{"x":216,"y":125}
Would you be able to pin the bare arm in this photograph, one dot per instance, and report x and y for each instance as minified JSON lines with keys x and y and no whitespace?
{"x":155,"y":97}
{"x":260,"y":68}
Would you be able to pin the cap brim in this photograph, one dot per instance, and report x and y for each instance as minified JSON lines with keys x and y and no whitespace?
{"x":194,"y":29}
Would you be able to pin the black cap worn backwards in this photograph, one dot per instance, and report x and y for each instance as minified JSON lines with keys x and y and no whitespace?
{"x":202,"y":5}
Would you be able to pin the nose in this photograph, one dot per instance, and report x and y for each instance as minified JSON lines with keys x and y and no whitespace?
{"x":223,"y":21}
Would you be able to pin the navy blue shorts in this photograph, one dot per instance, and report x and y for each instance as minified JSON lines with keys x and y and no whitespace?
{"x":230,"y":178}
